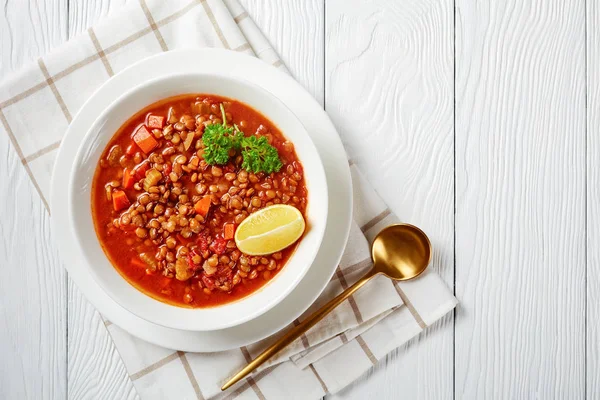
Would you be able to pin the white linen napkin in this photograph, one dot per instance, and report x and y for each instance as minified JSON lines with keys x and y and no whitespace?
{"x":377,"y":319}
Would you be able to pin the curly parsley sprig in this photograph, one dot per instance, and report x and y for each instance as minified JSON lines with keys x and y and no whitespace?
{"x":221,"y":141}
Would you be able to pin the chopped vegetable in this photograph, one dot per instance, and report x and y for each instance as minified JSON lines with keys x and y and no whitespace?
{"x":131,"y":149}
{"x":202,"y":206}
{"x":218,"y":246}
{"x":141,"y":169}
{"x":148,"y":259}
{"x":136,"y":262}
{"x":144,"y":140}
{"x":156,"y":122}
{"x":228,"y":231}
{"x":209,"y":269}
{"x":182,"y":270}
{"x":259,"y":156}
{"x":120,"y":200}
{"x":152,"y":178}
{"x":188,"y":140}
{"x":128,"y":178}
{"x":114,"y":154}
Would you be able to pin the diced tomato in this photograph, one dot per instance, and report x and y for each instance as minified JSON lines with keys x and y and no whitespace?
{"x":229,"y":168}
{"x":202,"y":206}
{"x":203,"y":241}
{"x":208,"y":282}
{"x":144,"y":139}
{"x":156,"y":122}
{"x":128,"y":178}
{"x":131,"y":149}
{"x":228,"y":231}
{"x":167,"y":169}
{"x":120,"y":200}
{"x":141,"y":169}
{"x":218,"y":246}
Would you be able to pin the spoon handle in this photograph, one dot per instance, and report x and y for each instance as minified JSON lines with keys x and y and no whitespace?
{"x":298,"y":330}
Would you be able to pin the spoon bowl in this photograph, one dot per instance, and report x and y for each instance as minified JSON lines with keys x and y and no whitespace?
{"x":401,"y":252}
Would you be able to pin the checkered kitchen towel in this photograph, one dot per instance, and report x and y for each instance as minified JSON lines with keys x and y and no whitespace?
{"x":377,"y":319}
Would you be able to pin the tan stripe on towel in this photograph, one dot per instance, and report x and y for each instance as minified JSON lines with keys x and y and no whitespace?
{"x":13,"y":139}
{"x":354,"y":267}
{"x":57,"y":95}
{"x":243,"y":47}
{"x":155,"y":366}
{"x":303,"y":338}
{"x":214,"y":23}
{"x":277,"y":63}
{"x":152,"y":23}
{"x":410,"y":306}
{"x":351,"y":301}
{"x":243,"y":387}
{"x":375,"y":220}
{"x":343,"y":338}
{"x":250,"y":379}
{"x":190,"y":374}
{"x":24,"y":94}
{"x":241,"y":17}
{"x":100,"y":51}
{"x":94,"y":57}
{"x":321,"y":381}
{"x":107,"y":323}
{"x":368,"y":352}
{"x":41,"y":152}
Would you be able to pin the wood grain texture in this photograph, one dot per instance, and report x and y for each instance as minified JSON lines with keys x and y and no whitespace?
{"x":593,"y":199}
{"x":295,"y":29}
{"x":520,"y":199}
{"x":389,"y":91}
{"x":33,"y":330}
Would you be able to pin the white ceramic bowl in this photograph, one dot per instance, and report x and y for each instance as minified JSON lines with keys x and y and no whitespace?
{"x":144,"y":306}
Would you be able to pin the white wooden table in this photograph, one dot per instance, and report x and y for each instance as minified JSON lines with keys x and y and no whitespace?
{"x":477,"y":120}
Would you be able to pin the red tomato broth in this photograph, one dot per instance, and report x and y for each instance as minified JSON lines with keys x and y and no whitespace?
{"x":121,"y":243}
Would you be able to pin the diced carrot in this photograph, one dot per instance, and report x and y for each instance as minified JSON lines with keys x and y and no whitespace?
{"x":228,"y":230}
{"x":141,"y":169}
{"x":131,"y":149}
{"x":137,"y":262}
{"x":128,"y":178}
{"x":202,"y":206}
{"x":120,"y":200}
{"x":156,"y":122}
{"x":144,"y":139}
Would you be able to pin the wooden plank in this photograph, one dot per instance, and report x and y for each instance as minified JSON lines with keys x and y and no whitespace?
{"x":96,"y":370}
{"x":33,"y":286}
{"x":520,"y":199}
{"x":389,"y":91}
{"x":295,"y":29}
{"x":593,"y":198}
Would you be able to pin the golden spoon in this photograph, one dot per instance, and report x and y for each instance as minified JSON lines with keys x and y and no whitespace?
{"x":400,"y":252}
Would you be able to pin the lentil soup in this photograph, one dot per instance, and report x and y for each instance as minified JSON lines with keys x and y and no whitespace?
{"x":166,"y":218}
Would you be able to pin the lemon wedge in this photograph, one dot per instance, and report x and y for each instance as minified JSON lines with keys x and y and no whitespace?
{"x":269,"y":230}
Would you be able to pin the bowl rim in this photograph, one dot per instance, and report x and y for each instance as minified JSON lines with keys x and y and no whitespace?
{"x":189,"y":321}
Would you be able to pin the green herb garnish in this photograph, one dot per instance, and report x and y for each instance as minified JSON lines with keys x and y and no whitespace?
{"x":221,"y":141}
{"x":218,"y":142}
{"x":259,"y":156}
